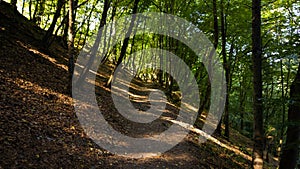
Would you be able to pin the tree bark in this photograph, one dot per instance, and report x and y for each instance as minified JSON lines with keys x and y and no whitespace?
{"x":257,"y":160}
{"x":290,"y":153}
{"x":71,"y":42}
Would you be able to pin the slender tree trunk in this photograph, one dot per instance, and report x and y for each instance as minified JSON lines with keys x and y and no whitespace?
{"x":283,"y":103}
{"x":226,"y":68}
{"x":23,"y":6}
{"x":161,"y":61}
{"x":94,"y":49}
{"x":257,"y":160}
{"x":132,"y":47}
{"x":67,"y":23}
{"x":36,"y":8}
{"x":29,"y":9}
{"x":47,"y":38}
{"x":71,"y":43}
{"x":215,"y":43}
{"x":41,"y":11}
{"x":62,"y":23}
{"x":113,"y":13}
{"x":290,"y":153}
{"x":280,"y":145}
{"x":242,"y":98}
{"x":125,"y":42}
{"x":48,"y":16}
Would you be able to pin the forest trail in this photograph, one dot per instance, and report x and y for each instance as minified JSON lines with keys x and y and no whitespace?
{"x":39,"y":127}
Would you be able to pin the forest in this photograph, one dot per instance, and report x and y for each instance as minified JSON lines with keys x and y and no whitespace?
{"x":150,"y":84}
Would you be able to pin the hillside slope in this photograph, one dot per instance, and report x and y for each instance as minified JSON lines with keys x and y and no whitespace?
{"x":38,"y":125}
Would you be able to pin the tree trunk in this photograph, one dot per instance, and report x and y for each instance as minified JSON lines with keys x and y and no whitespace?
{"x":215,"y":43}
{"x":94,"y":49}
{"x":23,"y":6}
{"x":226,"y":68}
{"x":113,"y":13}
{"x":290,"y":153}
{"x":36,"y":8}
{"x":29,"y":9}
{"x":242,"y":98}
{"x":46,"y":39}
{"x":125,"y":42}
{"x":71,"y":43}
{"x":41,"y":11}
{"x":257,"y":160}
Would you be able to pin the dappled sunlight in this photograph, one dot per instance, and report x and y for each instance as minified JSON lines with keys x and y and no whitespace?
{"x":80,"y":66}
{"x":51,"y":59}
{"x":27,"y":85}
{"x":150,"y":83}
{"x":209,"y":137}
{"x":181,"y":156}
{"x":136,"y":87}
{"x":118,"y":91}
{"x":144,"y":99}
{"x":188,"y":107}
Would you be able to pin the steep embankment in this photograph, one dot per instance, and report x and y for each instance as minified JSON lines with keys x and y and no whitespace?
{"x":38,"y":125}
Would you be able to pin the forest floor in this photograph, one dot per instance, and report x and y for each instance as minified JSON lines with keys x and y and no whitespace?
{"x":39,"y":127}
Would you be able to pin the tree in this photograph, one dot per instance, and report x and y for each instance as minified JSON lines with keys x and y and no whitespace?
{"x":96,"y":44}
{"x":126,"y":41}
{"x":290,"y":153}
{"x":215,"y":43}
{"x":257,"y":160}
{"x":46,"y":39}
{"x":71,"y":42}
{"x":226,"y":68}
{"x":39,"y":11}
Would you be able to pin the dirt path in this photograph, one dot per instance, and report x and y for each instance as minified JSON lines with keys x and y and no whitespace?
{"x":38,"y":124}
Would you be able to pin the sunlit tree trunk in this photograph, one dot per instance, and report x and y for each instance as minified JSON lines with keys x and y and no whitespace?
{"x":290,"y":153}
{"x":67,"y":24}
{"x":71,"y":42}
{"x":257,"y":160}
